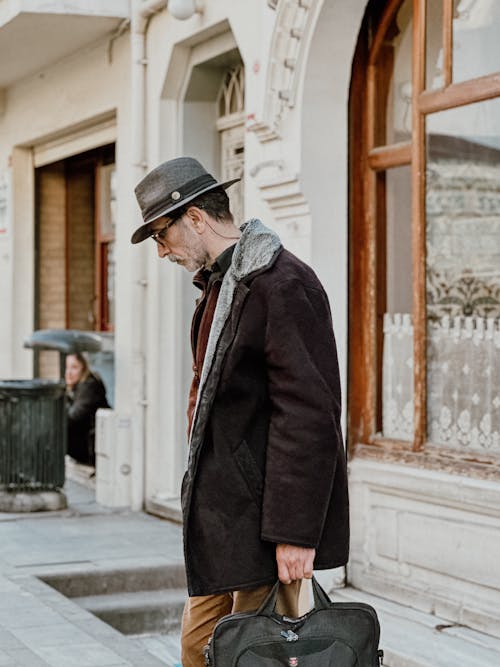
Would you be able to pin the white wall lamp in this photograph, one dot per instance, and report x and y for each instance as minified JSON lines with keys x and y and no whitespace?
{"x":185,"y":9}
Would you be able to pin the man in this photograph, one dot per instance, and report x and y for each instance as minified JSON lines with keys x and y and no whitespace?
{"x":265,"y":492}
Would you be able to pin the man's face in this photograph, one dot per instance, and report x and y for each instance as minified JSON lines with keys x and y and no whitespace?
{"x":180,"y":243}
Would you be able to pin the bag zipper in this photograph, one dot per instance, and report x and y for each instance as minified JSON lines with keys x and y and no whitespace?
{"x":265,"y":641}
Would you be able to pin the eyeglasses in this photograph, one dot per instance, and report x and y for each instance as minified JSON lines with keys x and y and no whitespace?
{"x":159,"y":236}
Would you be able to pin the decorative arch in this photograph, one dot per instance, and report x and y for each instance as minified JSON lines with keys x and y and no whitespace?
{"x":294,"y":24}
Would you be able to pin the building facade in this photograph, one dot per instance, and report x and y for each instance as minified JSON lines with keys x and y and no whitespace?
{"x":367,"y":135}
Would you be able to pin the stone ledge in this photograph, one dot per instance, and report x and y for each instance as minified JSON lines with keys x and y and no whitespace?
{"x":166,"y":508}
{"x":443,"y":488}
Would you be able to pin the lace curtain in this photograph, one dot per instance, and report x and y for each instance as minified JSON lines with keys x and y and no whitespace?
{"x":463,"y":368}
{"x":397,"y":377}
{"x":464,"y":381}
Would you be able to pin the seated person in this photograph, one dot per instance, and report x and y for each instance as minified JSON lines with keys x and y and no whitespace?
{"x":86,"y":393}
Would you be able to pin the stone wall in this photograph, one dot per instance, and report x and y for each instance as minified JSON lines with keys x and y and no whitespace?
{"x":427,"y":539}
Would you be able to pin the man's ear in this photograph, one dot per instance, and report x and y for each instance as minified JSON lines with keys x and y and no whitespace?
{"x":196,"y":218}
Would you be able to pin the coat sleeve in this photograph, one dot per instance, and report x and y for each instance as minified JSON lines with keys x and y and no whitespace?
{"x":89,"y":396}
{"x":304,"y":434}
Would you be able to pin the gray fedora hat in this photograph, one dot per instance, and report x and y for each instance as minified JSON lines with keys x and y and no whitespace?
{"x":170,"y":186}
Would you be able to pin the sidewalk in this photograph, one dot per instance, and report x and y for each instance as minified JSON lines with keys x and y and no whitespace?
{"x":41,"y":627}
{"x":125,"y":566}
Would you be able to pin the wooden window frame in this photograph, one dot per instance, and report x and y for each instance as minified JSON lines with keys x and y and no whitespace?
{"x":102,"y":241}
{"x":367,"y":161}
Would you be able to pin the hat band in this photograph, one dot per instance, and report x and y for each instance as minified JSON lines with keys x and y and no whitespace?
{"x":186,"y":190}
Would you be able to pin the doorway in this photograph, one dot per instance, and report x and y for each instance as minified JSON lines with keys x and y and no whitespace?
{"x":74,"y":251}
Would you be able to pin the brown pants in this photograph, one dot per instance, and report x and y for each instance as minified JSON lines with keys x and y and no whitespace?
{"x":202,"y":613}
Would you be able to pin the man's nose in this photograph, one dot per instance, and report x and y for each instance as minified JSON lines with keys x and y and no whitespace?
{"x":162,"y":251}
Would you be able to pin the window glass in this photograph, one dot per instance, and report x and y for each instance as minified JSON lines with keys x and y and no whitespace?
{"x":463,"y":276}
{"x":393,"y":87}
{"x":110,"y":284}
{"x":107,"y":220}
{"x":434,"y":76}
{"x":107,"y":213}
{"x":397,"y":365}
{"x":476,"y":29}
{"x":111,"y":250}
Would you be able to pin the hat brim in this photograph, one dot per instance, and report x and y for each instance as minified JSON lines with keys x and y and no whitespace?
{"x":144,"y":231}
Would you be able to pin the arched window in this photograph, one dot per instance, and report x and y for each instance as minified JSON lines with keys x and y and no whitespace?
{"x":425,"y":231}
{"x":231,"y":98}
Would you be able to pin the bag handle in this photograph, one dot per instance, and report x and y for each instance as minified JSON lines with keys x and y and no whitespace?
{"x":321,"y":599}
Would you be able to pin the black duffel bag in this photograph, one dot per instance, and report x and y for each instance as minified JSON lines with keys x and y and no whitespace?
{"x":332,"y":634}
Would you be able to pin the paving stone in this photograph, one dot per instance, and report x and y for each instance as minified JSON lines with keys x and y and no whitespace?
{"x":17,"y":600}
{"x":4,"y":658}
{"x":26,"y":658}
{"x":9,"y":641}
{"x":6,"y":586}
{"x":53,"y":635}
{"x":35,"y":617}
{"x":79,"y":655}
{"x":97,"y":628}
{"x":165,"y":647}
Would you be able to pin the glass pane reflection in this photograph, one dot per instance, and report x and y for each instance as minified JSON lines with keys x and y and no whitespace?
{"x":476,"y":29}
{"x":434,"y":76}
{"x":463,"y":276}
{"x":393,"y":80}
{"x":397,"y":365}
{"x":110,"y":283}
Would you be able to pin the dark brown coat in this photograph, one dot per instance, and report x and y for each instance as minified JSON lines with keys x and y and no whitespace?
{"x":267,"y":462}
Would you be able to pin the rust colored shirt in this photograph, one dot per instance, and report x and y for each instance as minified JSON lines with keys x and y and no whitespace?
{"x":209,"y":281}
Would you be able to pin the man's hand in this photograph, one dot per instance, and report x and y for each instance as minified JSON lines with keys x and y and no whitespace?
{"x":294,"y":562}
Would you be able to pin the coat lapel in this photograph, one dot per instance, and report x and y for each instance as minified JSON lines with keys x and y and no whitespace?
{"x":253,"y":252}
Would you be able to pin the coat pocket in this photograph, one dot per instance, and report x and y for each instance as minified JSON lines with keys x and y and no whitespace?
{"x":250,"y":471}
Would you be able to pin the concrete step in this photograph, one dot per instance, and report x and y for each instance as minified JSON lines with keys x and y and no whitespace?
{"x":104,"y":581}
{"x":137,"y":600}
{"x":411,"y":638}
{"x":139,"y":612}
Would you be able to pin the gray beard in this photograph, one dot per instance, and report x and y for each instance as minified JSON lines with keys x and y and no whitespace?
{"x":191,"y":264}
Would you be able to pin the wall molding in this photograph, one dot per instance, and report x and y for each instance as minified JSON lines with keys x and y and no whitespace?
{"x":78,"y":139}
{"x":284,"y":196}
{"x":288,"y":53}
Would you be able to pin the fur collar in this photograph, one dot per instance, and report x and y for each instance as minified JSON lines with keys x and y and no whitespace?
{"x":254,"y":251}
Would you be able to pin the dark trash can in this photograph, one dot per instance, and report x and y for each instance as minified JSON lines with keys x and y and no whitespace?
{"x":33,"y":428}
{"x":32,"y":445}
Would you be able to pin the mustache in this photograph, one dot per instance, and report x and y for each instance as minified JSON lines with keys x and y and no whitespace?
{"x":174,"y":258}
